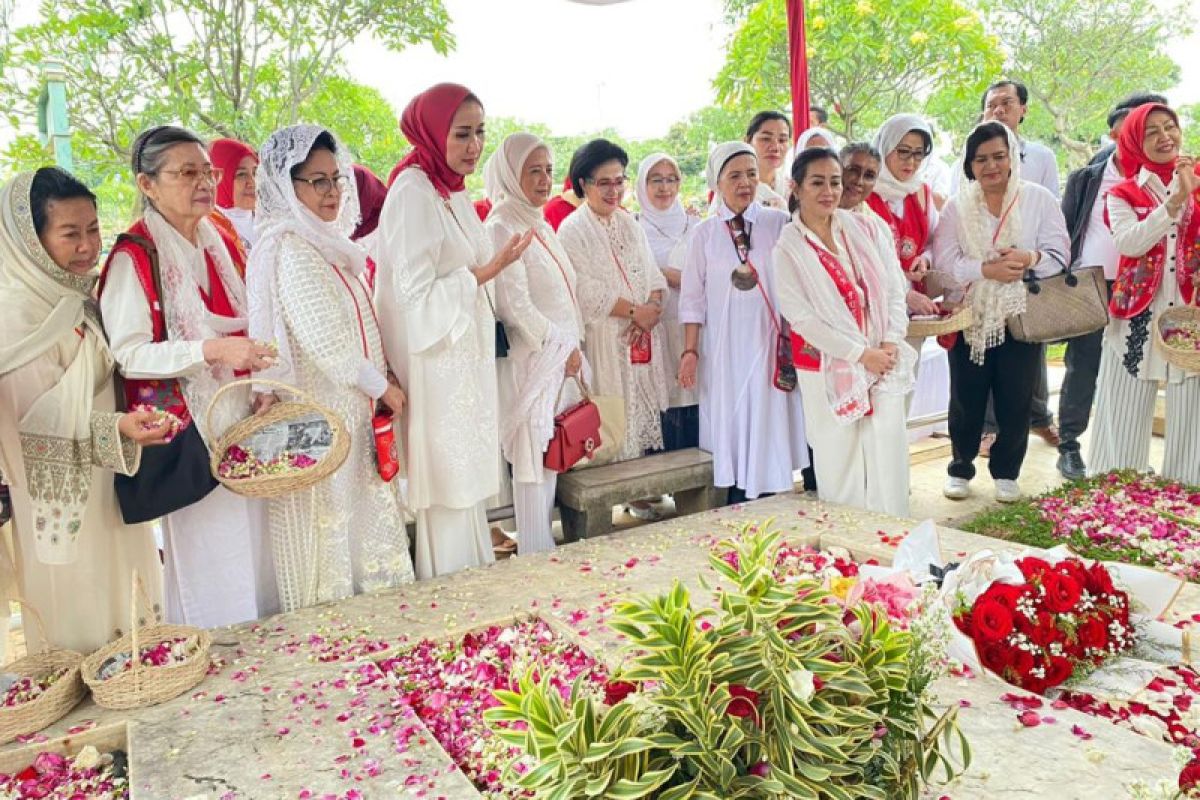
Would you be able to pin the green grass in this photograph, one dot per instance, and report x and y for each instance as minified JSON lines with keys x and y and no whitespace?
{"x":1056,"y":352}
{"x":1021,"y":522}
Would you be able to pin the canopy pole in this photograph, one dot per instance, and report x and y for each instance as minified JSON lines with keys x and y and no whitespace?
{"x":798,"y":48}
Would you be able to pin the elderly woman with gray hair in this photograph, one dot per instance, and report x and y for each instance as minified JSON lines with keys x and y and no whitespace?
{"x":174,"y":306}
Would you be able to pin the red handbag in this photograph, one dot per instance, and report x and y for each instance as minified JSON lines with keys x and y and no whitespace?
{"x":576,"y":434}
{"x":387,"y":459}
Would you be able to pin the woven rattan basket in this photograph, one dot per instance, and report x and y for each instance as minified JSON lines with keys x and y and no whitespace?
{"x":285,"y":483}
{"x":952,"y":323}
{"x":52,"y":704}
{"x":143,"y":685}
{"x":1184,"y":359}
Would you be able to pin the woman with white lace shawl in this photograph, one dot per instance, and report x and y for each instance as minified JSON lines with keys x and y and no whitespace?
{"x":536,"y":301}
{"x":621,"y":293}
{"x":991,"y":234}
{"x":175,"y":351}
{"x":842,"y":291}
{"x":307,"y":292}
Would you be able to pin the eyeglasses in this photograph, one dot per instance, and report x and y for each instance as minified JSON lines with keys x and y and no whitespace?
{"x":324,"y":186}
{"x":659,"y":183}
{"x":905,"y":154}
{"x":196,"y":174}
{"x":606,"y":186}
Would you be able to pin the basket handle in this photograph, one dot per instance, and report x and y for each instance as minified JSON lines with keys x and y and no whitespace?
{"x":137,"y":591}
{"x":212,"y":404}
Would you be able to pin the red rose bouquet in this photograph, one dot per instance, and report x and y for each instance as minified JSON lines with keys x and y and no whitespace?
{"x":1066,"y":618}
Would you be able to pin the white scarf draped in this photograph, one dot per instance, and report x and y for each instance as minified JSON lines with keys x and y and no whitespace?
{"x":48,"y":451}
{"x":888,"y":186}
{"x":848,"y":384}
{"x":992,"y":302}
{"x":279,"y":212}
{"x":664,"y":228}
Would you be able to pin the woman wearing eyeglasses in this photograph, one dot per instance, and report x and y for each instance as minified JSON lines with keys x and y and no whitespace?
{"x":621,"y":291}
{"x":905,"y":202}
{"x":669,"y":227}
{"x":174,"y":307}
{"x":434,"y":294}
{"x":751,"y":419}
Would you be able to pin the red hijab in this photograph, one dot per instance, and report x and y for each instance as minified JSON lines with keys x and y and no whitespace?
{"x":426,"y":124}
{"x":371,"y":194}
{"x":1130,"y":143}
{"x":226,"y":154}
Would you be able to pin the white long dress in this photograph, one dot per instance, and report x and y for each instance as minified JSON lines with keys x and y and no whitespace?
{"x":439,"y":337}
{"x":754,"y":431}
{"x":217,"y":567}
{"x":863,"y":463}
{"x":613,"y":261}
{"x":536,"y":299}
{"x":346,"y":534}
{"x":84,"y":604}
{"x":670,"y":249}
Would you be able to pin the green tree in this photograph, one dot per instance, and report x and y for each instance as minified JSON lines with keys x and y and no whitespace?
{"x":867,"y":59}
{"x":1079,"y":57}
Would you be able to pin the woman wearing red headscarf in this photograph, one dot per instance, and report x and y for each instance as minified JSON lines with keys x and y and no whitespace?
{"x":371,"y":194}
{"x":235,"y":192}
{"x":1154,"y":215}
{"x":434,"y":295}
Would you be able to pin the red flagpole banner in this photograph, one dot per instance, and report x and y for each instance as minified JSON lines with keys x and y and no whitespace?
{"x":798,"y":46}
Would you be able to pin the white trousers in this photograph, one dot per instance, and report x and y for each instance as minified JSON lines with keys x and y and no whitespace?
{"x":864,"y":465}
{"x":1125,"y":418}
{"x":452,"y":539}
{"x":533,"y":506}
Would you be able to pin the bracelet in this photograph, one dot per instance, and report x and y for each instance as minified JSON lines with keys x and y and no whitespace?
{"x":691,"y":351}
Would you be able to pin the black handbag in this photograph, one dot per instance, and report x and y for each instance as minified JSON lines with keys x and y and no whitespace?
{"x":501,"y":340}
{"x":173,"y":475}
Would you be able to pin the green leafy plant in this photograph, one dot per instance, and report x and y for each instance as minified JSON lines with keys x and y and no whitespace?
{"x":768,"y":695}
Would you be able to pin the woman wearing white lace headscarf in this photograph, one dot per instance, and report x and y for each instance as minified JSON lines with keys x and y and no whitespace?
{"x":621,"y":292}
{"x":996,"y":229}
{"x":308,"y":292}
{"x":174,"y":306}
{"x":842,"y":291}
{"x":750,"y":420}
{"x":60,"y":436}
{"x":536,"y":300}
{"x":669,"y":228}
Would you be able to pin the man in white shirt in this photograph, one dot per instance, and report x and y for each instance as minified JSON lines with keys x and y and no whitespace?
{"x":1007,"y":101}
{"x":1092,"y":245}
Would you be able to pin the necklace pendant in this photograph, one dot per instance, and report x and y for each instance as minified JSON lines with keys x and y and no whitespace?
{"x":743,"y":280}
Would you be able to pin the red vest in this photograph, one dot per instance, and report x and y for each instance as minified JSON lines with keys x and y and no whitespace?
{"x":165,"y":393}
{"x":911,"y":231}
{"x":1138,"y":277}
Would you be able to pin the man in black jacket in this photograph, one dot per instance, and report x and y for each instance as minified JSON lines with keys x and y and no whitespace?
{"x":1091,"y":245}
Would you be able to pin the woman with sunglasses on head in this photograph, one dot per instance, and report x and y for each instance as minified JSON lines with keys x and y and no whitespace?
{"x":174,"y":306}
{"x":621,"y":291}
{"x":434,"y":291}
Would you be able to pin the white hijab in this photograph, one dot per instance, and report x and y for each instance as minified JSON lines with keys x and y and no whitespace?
{"x":802,"y":141}
{"x":992,"y":302}
{"x":889,"y":187}
{"x":665,"y":229}
{"x":718,"y":157}
{"x":280,"y":212}
{"x":502,"y":179}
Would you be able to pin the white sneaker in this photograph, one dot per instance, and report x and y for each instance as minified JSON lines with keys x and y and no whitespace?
{"x":1007,"y":491}
{"x":957,"y":488}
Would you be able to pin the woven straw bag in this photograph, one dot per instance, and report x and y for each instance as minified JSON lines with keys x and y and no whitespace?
{"x":960,"y":320}
{"x":1184,"y":359}
{"x":143,"y":685}
{"x":295,"y":480}
{"x":52,"y":704}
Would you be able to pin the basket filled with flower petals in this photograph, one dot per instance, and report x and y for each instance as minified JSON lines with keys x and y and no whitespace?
{"x":90,"y":763}
{"x":1177,"y":336}
{"x":290,"y":446}
{"x":39,"y":689}
{"x":948,"y":320}
{"x":170,"y":660}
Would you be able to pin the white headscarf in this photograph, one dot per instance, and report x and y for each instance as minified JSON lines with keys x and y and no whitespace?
{"x":39,"y":304}
{"x":718,"y":157}
{"x":666,"y":228}
{"x":803,"y":139}
{"x":992,"y":302}
{"x":280,"y":212}
{"x":502,"y":179}
{"x":887,"y":138}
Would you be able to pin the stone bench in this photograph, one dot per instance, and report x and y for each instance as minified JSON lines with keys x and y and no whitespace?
{"x":586,"y":496}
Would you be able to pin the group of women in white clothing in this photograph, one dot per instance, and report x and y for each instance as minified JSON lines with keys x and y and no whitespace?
{"x":771,"y":333}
